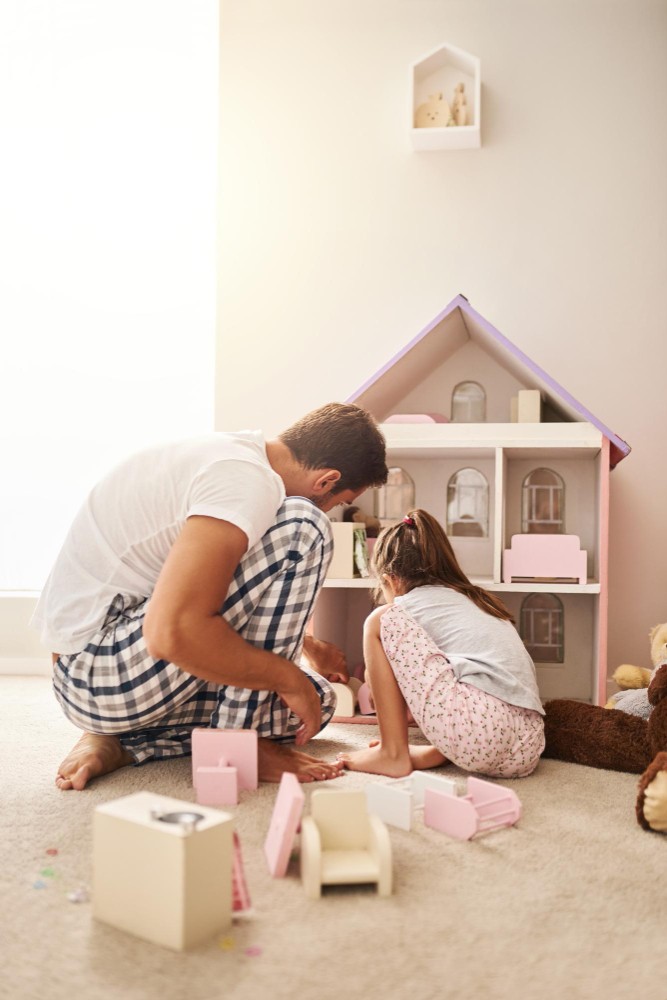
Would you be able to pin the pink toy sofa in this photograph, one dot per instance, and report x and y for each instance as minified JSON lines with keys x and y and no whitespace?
{"x":544,"y":557}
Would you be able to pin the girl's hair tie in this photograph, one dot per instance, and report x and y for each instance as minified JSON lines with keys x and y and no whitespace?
{"x":409,"y":520}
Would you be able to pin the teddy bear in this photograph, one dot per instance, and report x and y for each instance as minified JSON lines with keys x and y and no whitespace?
{"x":434,"y":113}
{"x":634,"y":681}
{"x":618,"y":740}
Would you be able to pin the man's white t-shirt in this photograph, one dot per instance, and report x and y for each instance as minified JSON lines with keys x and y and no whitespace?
{"x":121,"y":536}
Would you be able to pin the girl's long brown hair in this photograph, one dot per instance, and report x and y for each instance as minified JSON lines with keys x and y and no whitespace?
{"x":418,"y":552}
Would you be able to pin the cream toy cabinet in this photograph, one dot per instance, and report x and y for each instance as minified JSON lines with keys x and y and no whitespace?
{"x":162,"y":869}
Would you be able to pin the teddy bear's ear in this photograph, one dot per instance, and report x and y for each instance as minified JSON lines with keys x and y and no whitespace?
{"x":652,"y":634}
{"x":658,"y":637}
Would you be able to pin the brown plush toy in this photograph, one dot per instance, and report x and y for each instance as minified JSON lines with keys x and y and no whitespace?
{"x":618,"y":741}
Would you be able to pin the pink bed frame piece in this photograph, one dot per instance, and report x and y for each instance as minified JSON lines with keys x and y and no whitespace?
{"x":417,"y":418}
{"x":366,"y":706}
{"x":284,"y":826}
{"x":224,"y":762}
{"x":547,"y":557}
{"x":484,"y":808}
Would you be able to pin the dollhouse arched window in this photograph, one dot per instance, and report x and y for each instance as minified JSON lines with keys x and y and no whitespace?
{"x":543,"y":503}
{"x":541,"y":626}
{"x":468,"y":403}
{"x":396,"y":497}
{"x":468,"y":504}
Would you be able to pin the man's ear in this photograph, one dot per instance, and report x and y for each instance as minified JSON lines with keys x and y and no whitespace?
{"x":325,"y":482}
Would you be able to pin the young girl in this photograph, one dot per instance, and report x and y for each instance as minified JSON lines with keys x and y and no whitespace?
{"x":449,"y":651}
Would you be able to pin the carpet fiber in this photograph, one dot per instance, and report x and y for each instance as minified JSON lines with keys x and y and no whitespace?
{"x":568,"y":903}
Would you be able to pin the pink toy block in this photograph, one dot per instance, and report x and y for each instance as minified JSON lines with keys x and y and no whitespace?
{"x":215,"y":754}
{"x":285,"y":821}
{"x":544,"y":557}
{"x":364,"y":700}
{"x":484,"y":808}
{"x":217,"y":786}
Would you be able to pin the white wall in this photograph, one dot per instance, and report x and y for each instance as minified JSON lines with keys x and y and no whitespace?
{"x":338,"y":243}
{"x":108,"y":181}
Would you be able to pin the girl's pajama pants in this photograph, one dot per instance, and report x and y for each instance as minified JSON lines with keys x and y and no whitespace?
{"x":474,"y":730}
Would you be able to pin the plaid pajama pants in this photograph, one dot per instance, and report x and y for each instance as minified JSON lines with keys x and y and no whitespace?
{"x":114,"y":686}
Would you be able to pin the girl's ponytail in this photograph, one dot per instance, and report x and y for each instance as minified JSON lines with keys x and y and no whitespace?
{"x":417,"y":551}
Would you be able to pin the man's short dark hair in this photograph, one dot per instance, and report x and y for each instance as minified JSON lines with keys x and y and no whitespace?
{"x":340,"y":436}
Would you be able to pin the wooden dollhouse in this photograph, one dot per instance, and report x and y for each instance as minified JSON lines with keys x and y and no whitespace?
{"x":517,"y":471}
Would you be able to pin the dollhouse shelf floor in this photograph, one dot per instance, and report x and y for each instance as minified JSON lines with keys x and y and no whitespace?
{"x":525,"y":587}
{"x":517,"y":440}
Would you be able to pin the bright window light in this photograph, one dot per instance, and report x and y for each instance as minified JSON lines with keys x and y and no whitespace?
{"x":108,"y":178}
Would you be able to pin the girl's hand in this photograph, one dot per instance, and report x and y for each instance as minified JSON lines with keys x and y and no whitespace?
{"x":326,"y":659}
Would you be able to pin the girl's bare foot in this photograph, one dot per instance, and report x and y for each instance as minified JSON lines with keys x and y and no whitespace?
{"x":377,"y":760}
{"x":91,"y":757}
{"x":423,"y":757}
{"x":274,"y":758}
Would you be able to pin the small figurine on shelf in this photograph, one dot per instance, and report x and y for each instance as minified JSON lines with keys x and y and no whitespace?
{"x":460,"y":105}
{"x":372,"y":523}
{"x":364,"y":540}
{"x":434,"y":113}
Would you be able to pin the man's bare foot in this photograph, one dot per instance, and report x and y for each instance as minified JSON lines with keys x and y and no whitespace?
{"x":377,"y":760}
{"x":274,"y":758}
{"x":91,"y":757}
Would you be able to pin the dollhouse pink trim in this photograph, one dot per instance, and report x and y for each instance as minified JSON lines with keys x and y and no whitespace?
{"x":603,"y":604}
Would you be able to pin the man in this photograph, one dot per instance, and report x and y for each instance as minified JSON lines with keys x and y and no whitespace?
{"x":182,"y":593}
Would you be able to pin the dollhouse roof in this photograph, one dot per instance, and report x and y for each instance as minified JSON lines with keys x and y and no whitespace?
{"x":454,"y":327}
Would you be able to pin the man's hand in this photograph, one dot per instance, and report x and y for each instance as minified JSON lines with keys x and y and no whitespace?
{"x":326,"y":659}
{"x":302,"y":699}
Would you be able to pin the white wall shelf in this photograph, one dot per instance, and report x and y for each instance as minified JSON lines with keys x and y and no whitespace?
{"x":438,"y":73}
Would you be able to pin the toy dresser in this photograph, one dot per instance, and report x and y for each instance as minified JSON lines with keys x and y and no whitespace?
{"x":162,"y":869}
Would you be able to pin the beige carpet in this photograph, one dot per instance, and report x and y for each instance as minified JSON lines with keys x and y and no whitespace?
{"x":570,"y":903}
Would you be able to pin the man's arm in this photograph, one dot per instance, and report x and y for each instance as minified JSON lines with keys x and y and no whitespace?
{"x":183,"y":623}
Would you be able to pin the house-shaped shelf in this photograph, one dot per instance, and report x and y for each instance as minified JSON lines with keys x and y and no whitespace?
{"x":488,"y":472}
{"x":433,"y":82}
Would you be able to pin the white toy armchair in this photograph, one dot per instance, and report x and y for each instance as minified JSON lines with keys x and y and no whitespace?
{"x":342,"y":844}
